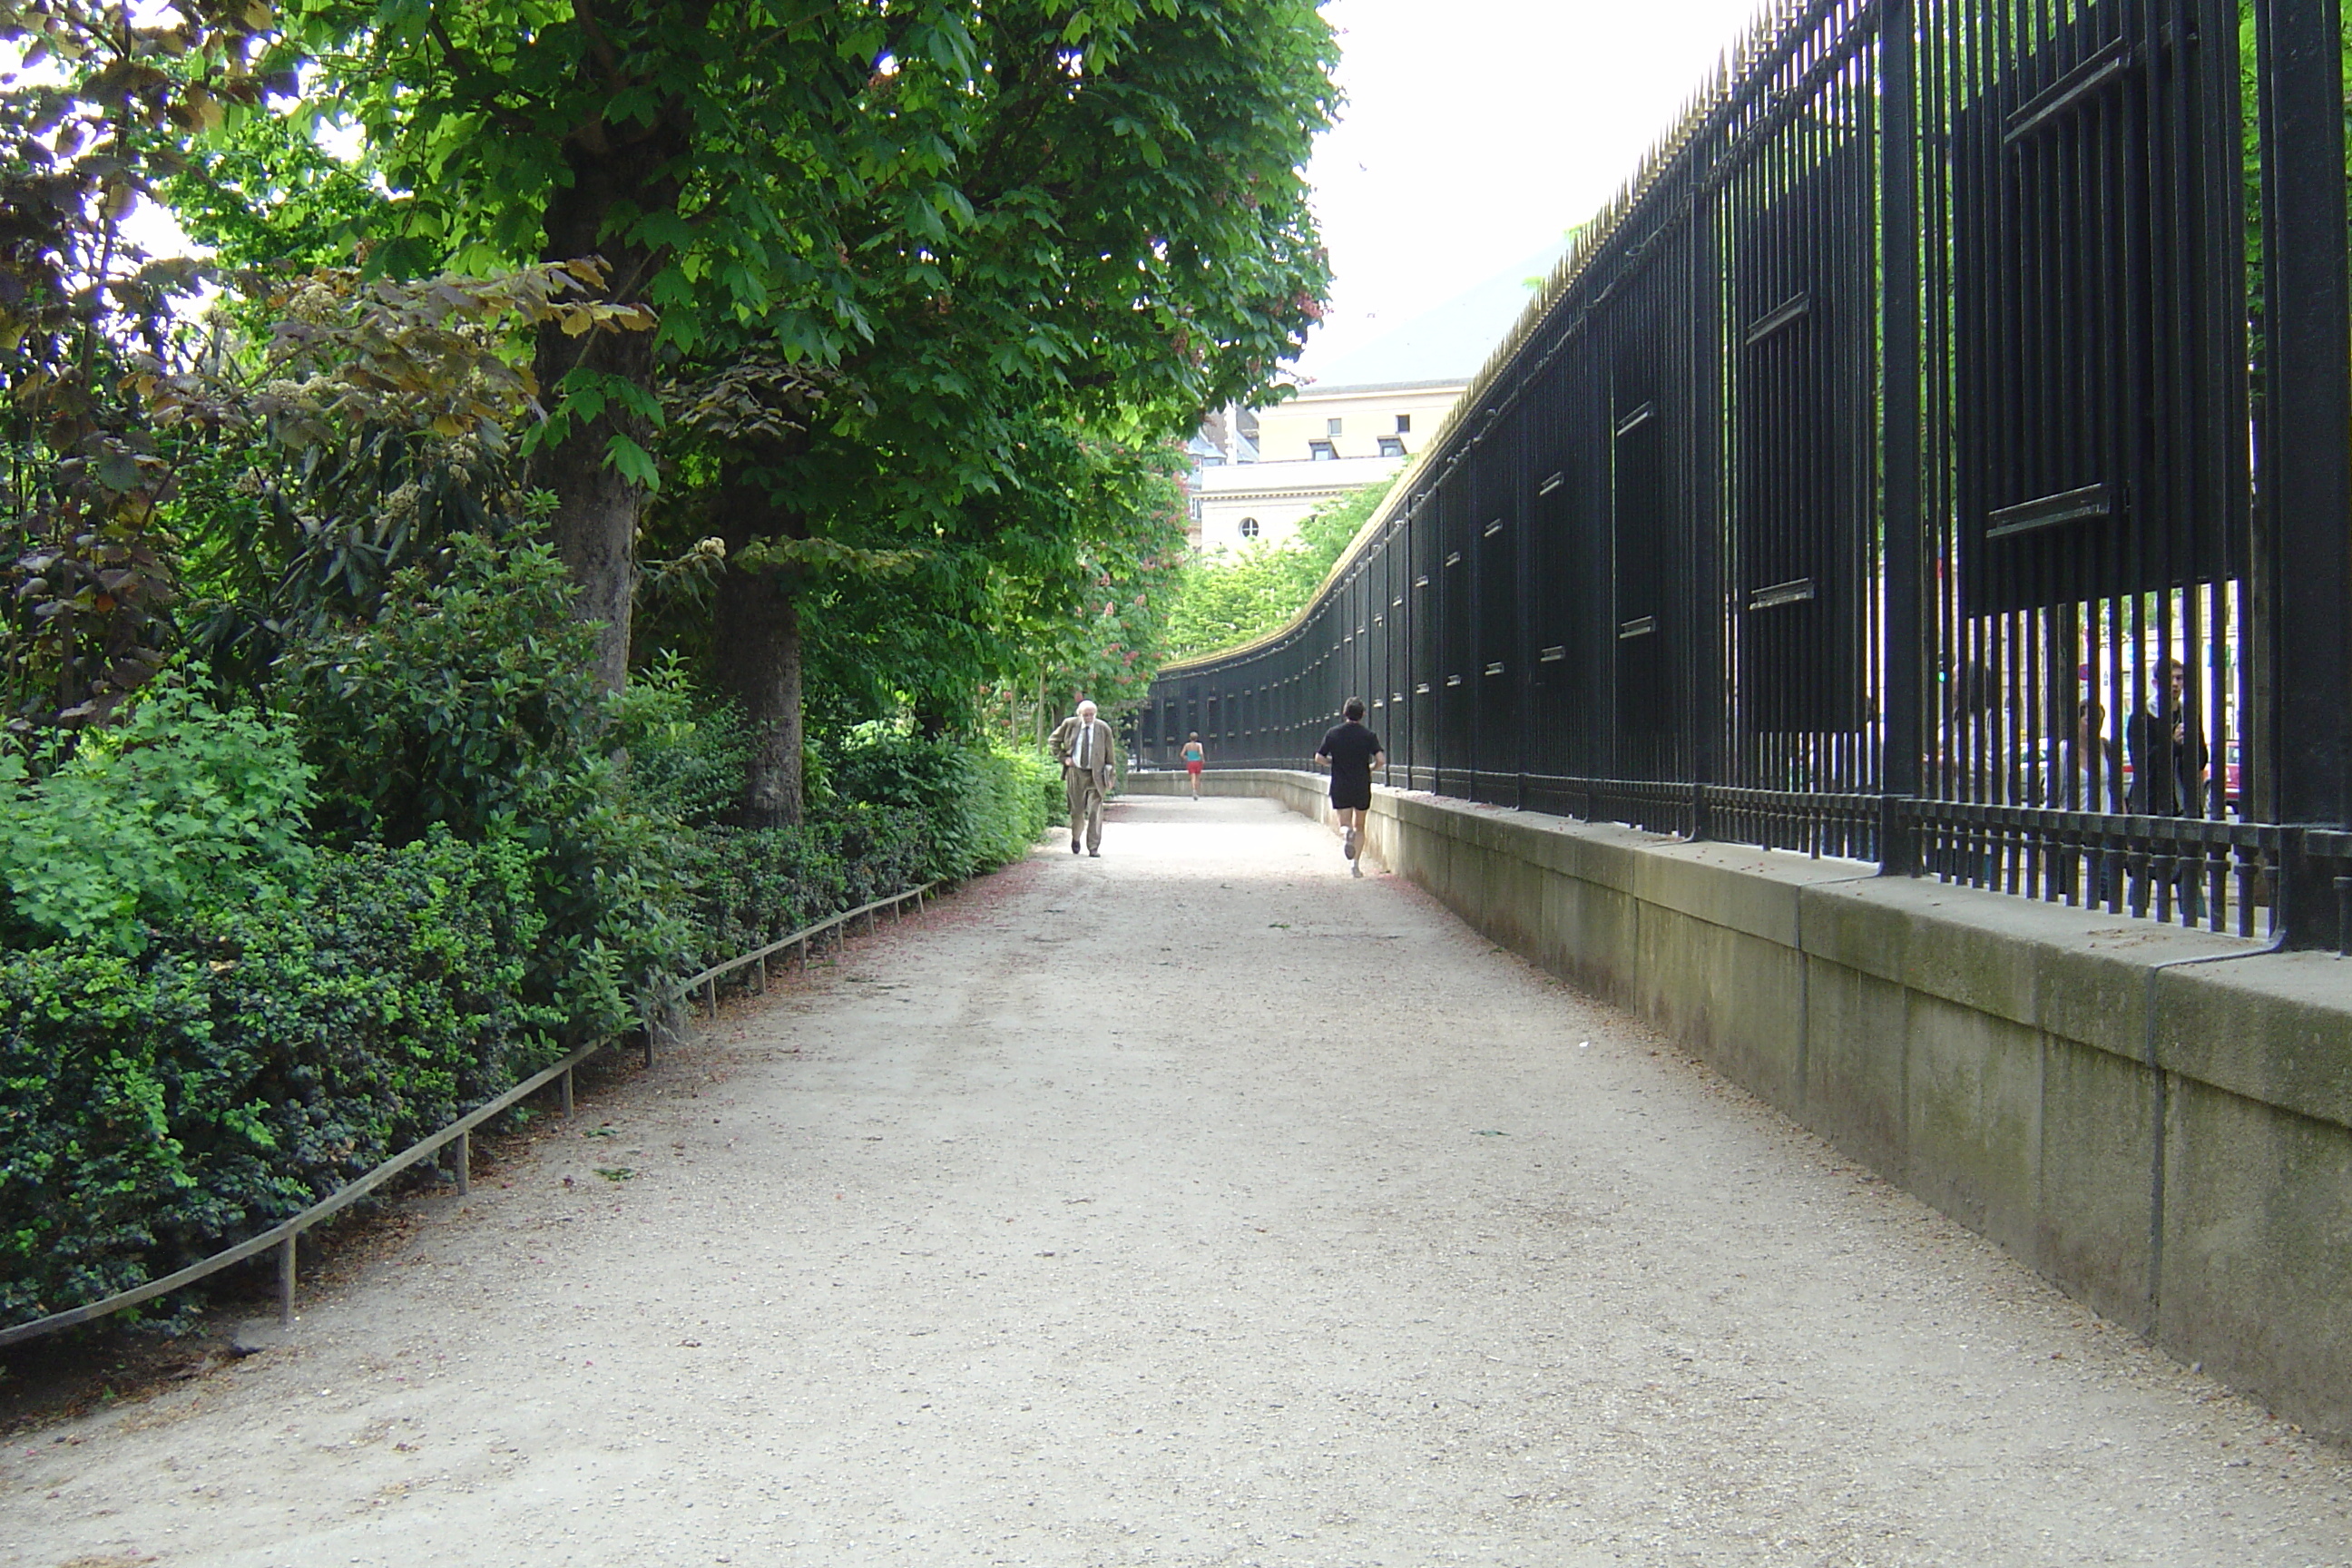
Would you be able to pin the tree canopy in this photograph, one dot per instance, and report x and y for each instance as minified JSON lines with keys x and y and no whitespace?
{"x":959,"y":214}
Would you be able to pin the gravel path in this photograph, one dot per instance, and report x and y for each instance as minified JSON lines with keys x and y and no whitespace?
{"x":1190,"y":1205}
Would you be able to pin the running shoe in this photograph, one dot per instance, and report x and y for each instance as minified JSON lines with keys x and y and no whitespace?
{"x":1347,"y":843}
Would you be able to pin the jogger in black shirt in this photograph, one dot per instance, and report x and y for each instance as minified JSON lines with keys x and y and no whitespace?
{"x":1352,"y":752}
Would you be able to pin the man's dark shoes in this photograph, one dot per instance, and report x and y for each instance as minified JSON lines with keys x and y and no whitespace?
{"x":1074,"y":845}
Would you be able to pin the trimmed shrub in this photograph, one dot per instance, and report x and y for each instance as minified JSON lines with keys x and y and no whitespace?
{"x":203,"y":1042}
{"x":153,"y":1109}
{"x":985,"y":806}
{"x":755,"y":885}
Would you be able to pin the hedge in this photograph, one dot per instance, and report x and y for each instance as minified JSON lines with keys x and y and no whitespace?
{"x":163,"y":1098}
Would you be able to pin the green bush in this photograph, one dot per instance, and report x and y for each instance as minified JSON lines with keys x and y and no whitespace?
{"x":687,"y":758}
{"x":178,"y":810}
{"x":469,"y":701}
{"x":468,"y":704}
{"x":155,"y":1108}
{"x":209,"y":1023}
{"x":985,"y":806}
{"x":1019,"y":796}
{"x":755,"y":885}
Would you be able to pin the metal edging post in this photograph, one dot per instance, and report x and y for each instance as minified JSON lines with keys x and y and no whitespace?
{"x":461,"y":1149}
{"x":567,"y":1094}
{"x":286,"y":1278}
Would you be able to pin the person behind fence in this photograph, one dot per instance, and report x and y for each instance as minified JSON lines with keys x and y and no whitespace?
{"x":2083,"y":774}
{"x":1351,"y":751}
{"x":2169,"y":768}
{"x":1195,"y":759}
{"x":1083,"y":743}
{"x":2168,"y":750}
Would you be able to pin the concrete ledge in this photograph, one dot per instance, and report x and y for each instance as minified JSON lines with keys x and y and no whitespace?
{"x":2159,"y":1120}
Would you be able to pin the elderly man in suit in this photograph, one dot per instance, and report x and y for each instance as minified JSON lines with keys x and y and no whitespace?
{"x":1083,"y":743}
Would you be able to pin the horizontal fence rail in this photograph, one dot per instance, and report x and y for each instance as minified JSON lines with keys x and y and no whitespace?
{"x":284,"y":1236}
{"x":1939,"y":455}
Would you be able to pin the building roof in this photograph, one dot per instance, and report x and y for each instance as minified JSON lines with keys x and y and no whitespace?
{"x":1255,"y":481}
{"x":1307,"y":393}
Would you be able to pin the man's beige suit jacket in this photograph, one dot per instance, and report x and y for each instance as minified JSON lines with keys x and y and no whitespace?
{"x":1066,"y":747}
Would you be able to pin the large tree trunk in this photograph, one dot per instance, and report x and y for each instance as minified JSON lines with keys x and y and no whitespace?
{"x":757,"y":649}
{"x":596,"y":510}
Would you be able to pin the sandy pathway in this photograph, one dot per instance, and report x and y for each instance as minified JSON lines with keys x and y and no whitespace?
{"x":1190,"y":1205}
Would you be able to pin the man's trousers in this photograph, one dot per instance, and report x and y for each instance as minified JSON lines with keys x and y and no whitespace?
{"x":1084,"y":788}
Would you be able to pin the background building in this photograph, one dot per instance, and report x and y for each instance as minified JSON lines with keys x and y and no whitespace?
{"x":1354,"y":420}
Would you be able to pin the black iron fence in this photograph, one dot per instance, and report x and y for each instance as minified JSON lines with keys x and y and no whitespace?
{"x":1940,"y":454}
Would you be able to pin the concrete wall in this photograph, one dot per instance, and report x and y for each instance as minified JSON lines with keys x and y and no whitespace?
{"x":2170,"y":1143}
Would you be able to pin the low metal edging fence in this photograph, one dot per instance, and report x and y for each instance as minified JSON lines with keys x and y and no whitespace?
{"x":286,"y":1233}
{"x":706,"y":981}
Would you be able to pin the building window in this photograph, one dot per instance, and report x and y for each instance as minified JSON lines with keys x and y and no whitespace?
{"x":1331,"y":427}
{"x":1405,"y":424}
{"x":1322,"y":451}
{"x":1249,"y":527}
{"x":1391,"y":447}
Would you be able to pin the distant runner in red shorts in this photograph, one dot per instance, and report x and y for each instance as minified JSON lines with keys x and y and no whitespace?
{"x":1193,"y":757}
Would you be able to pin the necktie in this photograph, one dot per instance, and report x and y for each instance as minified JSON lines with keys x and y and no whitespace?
{"x":1086,"y":744}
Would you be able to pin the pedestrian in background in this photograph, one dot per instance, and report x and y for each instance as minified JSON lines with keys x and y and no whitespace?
{"x":1352,"y":752}
{"x":1193,"y":757}
{"x":2171,"y":771}
{"x":1084,"y":744}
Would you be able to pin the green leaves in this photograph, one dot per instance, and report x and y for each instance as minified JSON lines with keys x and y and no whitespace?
{"x":466,"y":702}
{"x":1223,"y":599}
{"x":179,"y":810}
{"x":631,"y":462}
{"x":823,"y":554}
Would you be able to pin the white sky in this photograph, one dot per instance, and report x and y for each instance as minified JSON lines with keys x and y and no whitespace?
{"x":1476,"y":132}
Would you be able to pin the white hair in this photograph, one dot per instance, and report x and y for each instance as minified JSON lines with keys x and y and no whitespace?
{"x":1086,"y":709}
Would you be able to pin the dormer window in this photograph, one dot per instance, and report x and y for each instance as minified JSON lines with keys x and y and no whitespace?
{"x":1323,"y":451}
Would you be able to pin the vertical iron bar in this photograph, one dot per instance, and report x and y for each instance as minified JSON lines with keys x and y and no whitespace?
{"x":461,"y":1161}
{"x":1899,"y":766}
{"x":285,"y":1279}
{"x":2307,"y":471}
